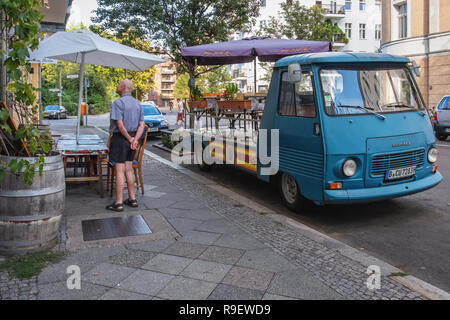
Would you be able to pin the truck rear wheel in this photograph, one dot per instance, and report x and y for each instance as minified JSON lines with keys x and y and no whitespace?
{"x":290,"y":192}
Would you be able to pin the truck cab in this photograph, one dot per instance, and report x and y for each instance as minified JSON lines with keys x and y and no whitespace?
{"x":353,"y":127}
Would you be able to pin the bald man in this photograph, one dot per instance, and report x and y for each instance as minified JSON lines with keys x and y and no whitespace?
{"x":126,"y":126}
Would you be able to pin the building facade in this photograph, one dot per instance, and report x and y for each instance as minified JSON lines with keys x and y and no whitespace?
{"x":165,"y":78}
{"x":420,"y":30}
{"x":359,"y":19}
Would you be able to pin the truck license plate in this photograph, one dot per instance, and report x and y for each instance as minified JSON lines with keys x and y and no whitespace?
{"x":400,"y":173}
{"x":153,"y":129}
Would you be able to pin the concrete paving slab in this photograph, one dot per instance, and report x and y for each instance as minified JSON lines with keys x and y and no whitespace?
{"x":248,"y":278}
{"x":145,"y":282}
{"x":185,"y":249}
{"x":302,"y":285}
{"x":239,"y":241}
{"x":270,"y":296}
{"x":265,"y":259}
{"x":152,"y":203}
{"x":84,"y":259}
{"x":59,"y":291}
{"x":218,"y":226}
{"x":186,"y":212}
{"x":132,"y":258}
{"x":117,"y":294}
{"x":184,"y":224}
{"x":206,"y":270}
{"x":152,"y":246}
{"x":167,"y":264}
{"x":226,"y":292}
{"x":106,"y":274}
{"x":222,"y":255}
{"x":182,"y":288}
{"x":199,"y":237}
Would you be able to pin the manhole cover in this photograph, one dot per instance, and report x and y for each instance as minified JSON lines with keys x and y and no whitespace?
{"x":110,"y":228}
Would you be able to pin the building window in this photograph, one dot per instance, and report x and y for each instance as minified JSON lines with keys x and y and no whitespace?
{"x":262,"y":23}
{"x":377,"y":31}
{"x":403,"y":21}
{"x":348,"y":5}
{"x":263,"y":3}
{"x":362,"y":5}
{"x":378,"y":5}
{"x":348,"y":30}
{"x":362,"y":31}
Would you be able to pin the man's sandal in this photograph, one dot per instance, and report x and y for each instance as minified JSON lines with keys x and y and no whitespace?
{"x":115,"y":207}
{"x":131,"y":203}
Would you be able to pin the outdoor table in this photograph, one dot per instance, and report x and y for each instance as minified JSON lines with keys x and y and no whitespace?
{"x":90,"y":148}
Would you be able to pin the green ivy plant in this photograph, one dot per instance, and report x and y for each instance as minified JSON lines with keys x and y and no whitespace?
{"x":20,"y":23}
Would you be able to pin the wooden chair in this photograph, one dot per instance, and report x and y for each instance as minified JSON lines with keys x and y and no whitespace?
{"x":137,"y":163}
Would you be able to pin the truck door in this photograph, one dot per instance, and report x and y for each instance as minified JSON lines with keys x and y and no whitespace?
{"x":301,"y":146}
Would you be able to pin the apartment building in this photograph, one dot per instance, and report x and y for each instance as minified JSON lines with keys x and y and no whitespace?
{"x":420,"y":30}
{"x":165,"y":78}
{"x":359,"y":19}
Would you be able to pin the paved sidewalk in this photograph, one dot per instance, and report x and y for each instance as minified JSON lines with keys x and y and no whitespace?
{"x":203,"y":245}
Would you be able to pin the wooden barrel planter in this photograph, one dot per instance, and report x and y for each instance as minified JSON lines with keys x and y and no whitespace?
{"x":235,"y":104}
{"x":30,"y":216}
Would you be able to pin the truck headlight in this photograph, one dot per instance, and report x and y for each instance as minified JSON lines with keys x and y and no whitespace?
{"x":349,"y":168}
{"x":432,"y":155}
{"x":164,"y":122}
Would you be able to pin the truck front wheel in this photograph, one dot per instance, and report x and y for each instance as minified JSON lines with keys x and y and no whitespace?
{"x":290,"y":193}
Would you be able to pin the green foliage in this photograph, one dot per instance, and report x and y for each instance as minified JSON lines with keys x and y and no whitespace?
{"x":296,"y":21}
{"x":176,"y":24}
{"x":230,"y":91}
{"x":102,"y":80}
{"x":210,"y":81}
{"x":21,"y":25}
{"x":30,"y":265}
{"x":196,"y":94}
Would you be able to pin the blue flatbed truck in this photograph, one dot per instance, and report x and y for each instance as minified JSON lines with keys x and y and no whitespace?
{"x":342,"y":128}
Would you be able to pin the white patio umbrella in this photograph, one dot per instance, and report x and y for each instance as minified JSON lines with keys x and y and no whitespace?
{"x":85,"y":47}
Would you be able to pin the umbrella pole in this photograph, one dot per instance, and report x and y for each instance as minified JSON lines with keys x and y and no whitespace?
{"x":80,"y":93}
{"x":254,"y":74}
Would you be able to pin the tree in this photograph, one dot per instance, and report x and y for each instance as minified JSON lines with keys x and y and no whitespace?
{"x":177,"y":24}
{"x":132,"y":37}
{"x":213,"y":81}
{"x":296,"y":21}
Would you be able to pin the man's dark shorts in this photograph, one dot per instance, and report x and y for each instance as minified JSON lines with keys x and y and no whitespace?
{"x":119,"y":148}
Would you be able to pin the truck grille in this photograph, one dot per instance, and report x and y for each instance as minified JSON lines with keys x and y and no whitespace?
{"x":382,"y":163}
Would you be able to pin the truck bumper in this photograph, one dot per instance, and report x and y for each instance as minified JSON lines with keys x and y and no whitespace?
{"x":381,"y":193}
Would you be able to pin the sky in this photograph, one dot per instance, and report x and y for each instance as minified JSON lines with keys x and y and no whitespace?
{"x":82,"y":12}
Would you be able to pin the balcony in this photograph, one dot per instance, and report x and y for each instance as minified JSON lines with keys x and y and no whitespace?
{"x":166,"y":96}
{"x":339,"y":40}
{"x":167,"y":80}
{"x":333,"y":11}
{"x":167,"y":71}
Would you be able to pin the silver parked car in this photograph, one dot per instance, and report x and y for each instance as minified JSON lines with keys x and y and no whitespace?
{"x":442,"y":119}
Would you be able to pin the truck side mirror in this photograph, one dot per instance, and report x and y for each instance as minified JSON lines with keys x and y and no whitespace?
{"x":415,"y":68}
{"x":295,"y":72}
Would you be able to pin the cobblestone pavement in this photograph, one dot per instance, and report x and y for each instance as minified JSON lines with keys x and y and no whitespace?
{"x":222,"y":250}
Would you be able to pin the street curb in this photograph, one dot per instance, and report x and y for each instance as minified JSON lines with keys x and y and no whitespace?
{"x":421,"y":287}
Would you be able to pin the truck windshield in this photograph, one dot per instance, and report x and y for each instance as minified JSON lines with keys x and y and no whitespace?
{"x":356,"y":91}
